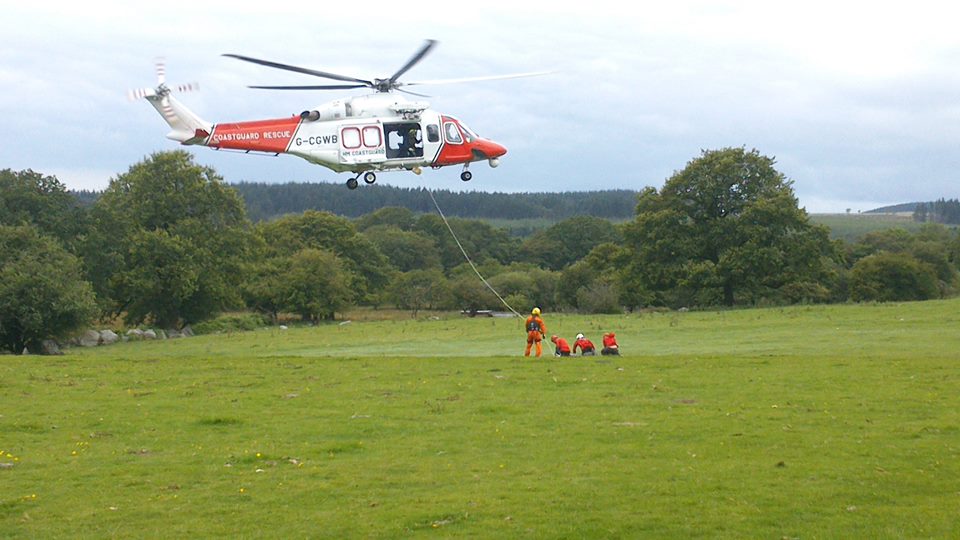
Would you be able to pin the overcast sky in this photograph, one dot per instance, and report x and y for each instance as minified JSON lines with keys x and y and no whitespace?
{"x":859,"y":103}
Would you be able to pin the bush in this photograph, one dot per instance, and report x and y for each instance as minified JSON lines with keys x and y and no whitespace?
{"x":891,"y":277}
{"x":231,"y":322}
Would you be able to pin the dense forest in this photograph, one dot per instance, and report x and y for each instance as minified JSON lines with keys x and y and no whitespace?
{"x":170,"y":244}
{"x":268,"y":201}
{"x":946,"y":211}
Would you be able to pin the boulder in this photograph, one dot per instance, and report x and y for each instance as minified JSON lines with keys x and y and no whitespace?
{"x":108,"y":337}
{"x":149,"y":334}
{"x":90,"y":338}
{"x":51,"y":347}
{"x":135,"y":333}
{"x":187,"y":331}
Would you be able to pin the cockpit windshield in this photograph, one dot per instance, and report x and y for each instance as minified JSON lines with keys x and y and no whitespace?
{"x":468,"y":132}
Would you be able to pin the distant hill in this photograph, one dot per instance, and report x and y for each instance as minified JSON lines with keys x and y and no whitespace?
{"x":268,"y":201}
{"x":893,"y":209}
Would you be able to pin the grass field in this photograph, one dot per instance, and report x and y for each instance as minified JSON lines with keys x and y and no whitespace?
{"x":852,"y":227}
{"x":802,"y":422}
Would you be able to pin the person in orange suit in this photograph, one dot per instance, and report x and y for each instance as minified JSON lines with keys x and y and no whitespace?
{"x":585,"y":345}
{"x":563,"y":348}
{"x":610,"y":346}
{"x":535,"y":332}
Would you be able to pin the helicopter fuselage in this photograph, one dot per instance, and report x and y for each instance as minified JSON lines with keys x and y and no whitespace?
{"x":380,"y":132}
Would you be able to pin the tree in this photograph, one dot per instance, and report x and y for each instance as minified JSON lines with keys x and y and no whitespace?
{"x":315,"y":286}
{"x":406,"y":250}
{"x":366,"y":268}
{"x":568,"y":241}
{"x":481,"y":241}
{"x":724,"y":230}
{"x":890,"y":277}
{"x":42,"y":292}
{"x":168,"y":242}
{"x":399,"y":217}
{"x":28,"y":197}
{"x":421,"y":289}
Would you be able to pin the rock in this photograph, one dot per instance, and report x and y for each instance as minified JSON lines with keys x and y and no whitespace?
{"x":108,"y":337}
{"x":283,"y":327}
{"x":173,"y":334}
{"x":51,"y":347}
{"x":187,"y":331}
{"x":135,"y":333}
{"x":161,"y":334}
{"x":149,"y":334}
{"x":90,"y":338}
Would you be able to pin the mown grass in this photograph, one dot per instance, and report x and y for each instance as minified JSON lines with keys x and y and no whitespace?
{"x":823,"y":421}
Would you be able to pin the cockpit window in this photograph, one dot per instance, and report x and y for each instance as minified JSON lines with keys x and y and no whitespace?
{"x":451,"y":133}
{"x":468,"y":132}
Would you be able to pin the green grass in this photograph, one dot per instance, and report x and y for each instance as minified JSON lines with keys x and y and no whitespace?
{"x":852,"y":227}
{"x":802,"y":422}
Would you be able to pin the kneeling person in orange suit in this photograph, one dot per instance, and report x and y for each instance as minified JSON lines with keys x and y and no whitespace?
{"x":585,"y":345}
{"x":610,"y":345}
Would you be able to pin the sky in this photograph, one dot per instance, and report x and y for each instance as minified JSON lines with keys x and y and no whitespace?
{"x":858,"y":102}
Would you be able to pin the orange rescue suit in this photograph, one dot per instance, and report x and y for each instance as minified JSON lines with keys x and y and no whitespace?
{"x":535,"y":331}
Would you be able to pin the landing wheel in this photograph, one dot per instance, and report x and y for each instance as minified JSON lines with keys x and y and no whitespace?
{"x":369,"y":177}
{"x":466,"y":176}
{"x":352,"y":183}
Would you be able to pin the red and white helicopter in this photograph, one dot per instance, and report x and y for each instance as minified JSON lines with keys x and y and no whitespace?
{"x":366,"y":134}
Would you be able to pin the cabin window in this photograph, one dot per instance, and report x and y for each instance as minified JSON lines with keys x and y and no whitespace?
{"x":451,"y":133}
{"x":350,"y":138}
{"x":371,"y":137}
{"x":433,"y":133}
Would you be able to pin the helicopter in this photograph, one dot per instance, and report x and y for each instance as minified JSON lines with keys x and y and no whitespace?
{"x":364,"y":135}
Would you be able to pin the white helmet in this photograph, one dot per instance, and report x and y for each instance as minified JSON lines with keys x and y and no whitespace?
{"x":579,"y":336}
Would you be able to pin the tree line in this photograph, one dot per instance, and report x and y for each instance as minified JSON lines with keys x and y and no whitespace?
{"x":169,"y":243}
{"x":946,"y":211}
{"x":269,"y":201}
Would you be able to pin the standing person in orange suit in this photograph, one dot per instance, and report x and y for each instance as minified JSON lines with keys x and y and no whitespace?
{"x":535,"y":331}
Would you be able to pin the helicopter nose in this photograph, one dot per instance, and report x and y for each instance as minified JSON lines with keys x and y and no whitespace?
{"x":489,"y":149}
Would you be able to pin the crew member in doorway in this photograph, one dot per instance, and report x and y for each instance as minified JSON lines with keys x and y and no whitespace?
{"x":563,"y":348}
{"x":535,"y":331}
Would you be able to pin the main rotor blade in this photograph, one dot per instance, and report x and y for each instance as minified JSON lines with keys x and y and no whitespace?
{"x":297,"y":69}
{"x":475,"y":79}
{"x":414,"y":59}
{"x":313,"y":87}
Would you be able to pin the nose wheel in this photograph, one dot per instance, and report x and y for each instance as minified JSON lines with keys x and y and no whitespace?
{"x":352,"y":183}
{"x":466,"y":175}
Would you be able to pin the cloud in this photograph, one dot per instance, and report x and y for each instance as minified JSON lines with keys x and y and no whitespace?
{"x":858,"y":101}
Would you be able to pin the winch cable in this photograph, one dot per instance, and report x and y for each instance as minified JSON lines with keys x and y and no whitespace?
{"x":467,"y":257}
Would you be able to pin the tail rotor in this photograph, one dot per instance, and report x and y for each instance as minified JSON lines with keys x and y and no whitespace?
{"x":187,"y":127}
{"x":162,"y":90}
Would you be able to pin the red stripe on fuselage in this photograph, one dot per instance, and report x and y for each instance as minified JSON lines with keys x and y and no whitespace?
{"x":258,"y":135}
